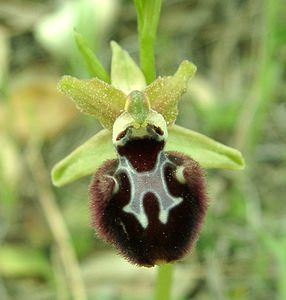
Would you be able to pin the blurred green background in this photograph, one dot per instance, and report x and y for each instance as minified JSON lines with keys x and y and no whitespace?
{"x":48,"y":249}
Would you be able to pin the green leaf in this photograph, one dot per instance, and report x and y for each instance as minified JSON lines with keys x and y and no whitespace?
{"x":85,"y":159}
{"x":95,"y":97}
{"x":140,"y":16}
{"x":95,"y":68}
{"x":125,"y":74}
{"x":207,"y":152}
{"x":165,"y":92}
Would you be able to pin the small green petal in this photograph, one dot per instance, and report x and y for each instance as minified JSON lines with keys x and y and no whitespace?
{"x":207,"y":152}
{"x":85,"y":159}
{"x":165,"y":92}
{"x":125,"y":74}
{"x":95,"y":97}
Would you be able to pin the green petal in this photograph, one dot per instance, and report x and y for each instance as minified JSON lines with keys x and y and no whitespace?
{"x":207,"y":152}
{"x":85,"y":159}
{"x":95,"y":97}
{"x":165,"y":92}
{"x":125,"y":74}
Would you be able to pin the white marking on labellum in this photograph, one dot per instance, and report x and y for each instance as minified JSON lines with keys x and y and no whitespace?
{"x":180,"y":174}
{"x":116,"y":185}
{"x":150,"y":181}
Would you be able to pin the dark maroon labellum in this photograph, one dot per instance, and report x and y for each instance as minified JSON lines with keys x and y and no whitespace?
{"x":148,"y":203}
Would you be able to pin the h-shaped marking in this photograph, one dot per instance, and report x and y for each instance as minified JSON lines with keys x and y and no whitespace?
{"x":150,"y":181}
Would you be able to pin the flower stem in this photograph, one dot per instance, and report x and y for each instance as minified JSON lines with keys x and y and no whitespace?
{"x":164,"y":282}
{"x":148,"y":14}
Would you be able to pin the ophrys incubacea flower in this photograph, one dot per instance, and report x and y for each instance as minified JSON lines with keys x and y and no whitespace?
{"x":148,"y":193}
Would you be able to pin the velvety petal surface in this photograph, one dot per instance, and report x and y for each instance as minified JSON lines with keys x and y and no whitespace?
{"x":159,"y":242}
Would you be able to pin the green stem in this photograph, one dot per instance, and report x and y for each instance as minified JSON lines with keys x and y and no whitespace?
{"x":148,"y":14}
{"x":147,"y":61}
{"x":164,"y":282}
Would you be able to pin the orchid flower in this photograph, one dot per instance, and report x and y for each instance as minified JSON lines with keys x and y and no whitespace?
{"x":148,"y":195}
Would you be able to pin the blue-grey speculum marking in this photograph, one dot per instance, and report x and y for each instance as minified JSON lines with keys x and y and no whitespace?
{"x":142,"y":183}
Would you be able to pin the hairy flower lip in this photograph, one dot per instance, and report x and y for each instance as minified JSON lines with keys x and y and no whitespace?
{"x":158,"y":242}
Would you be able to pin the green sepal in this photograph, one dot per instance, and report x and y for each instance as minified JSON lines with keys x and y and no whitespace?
{"x":207,"y":152}
{"x":165,"y":92}
{"x":95,"y":97}
{"x":125,"y":74}
{"x":84,"y":160}
{"x":94,"y":66}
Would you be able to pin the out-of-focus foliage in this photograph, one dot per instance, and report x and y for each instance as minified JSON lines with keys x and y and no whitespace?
{"x":237,"y":97}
